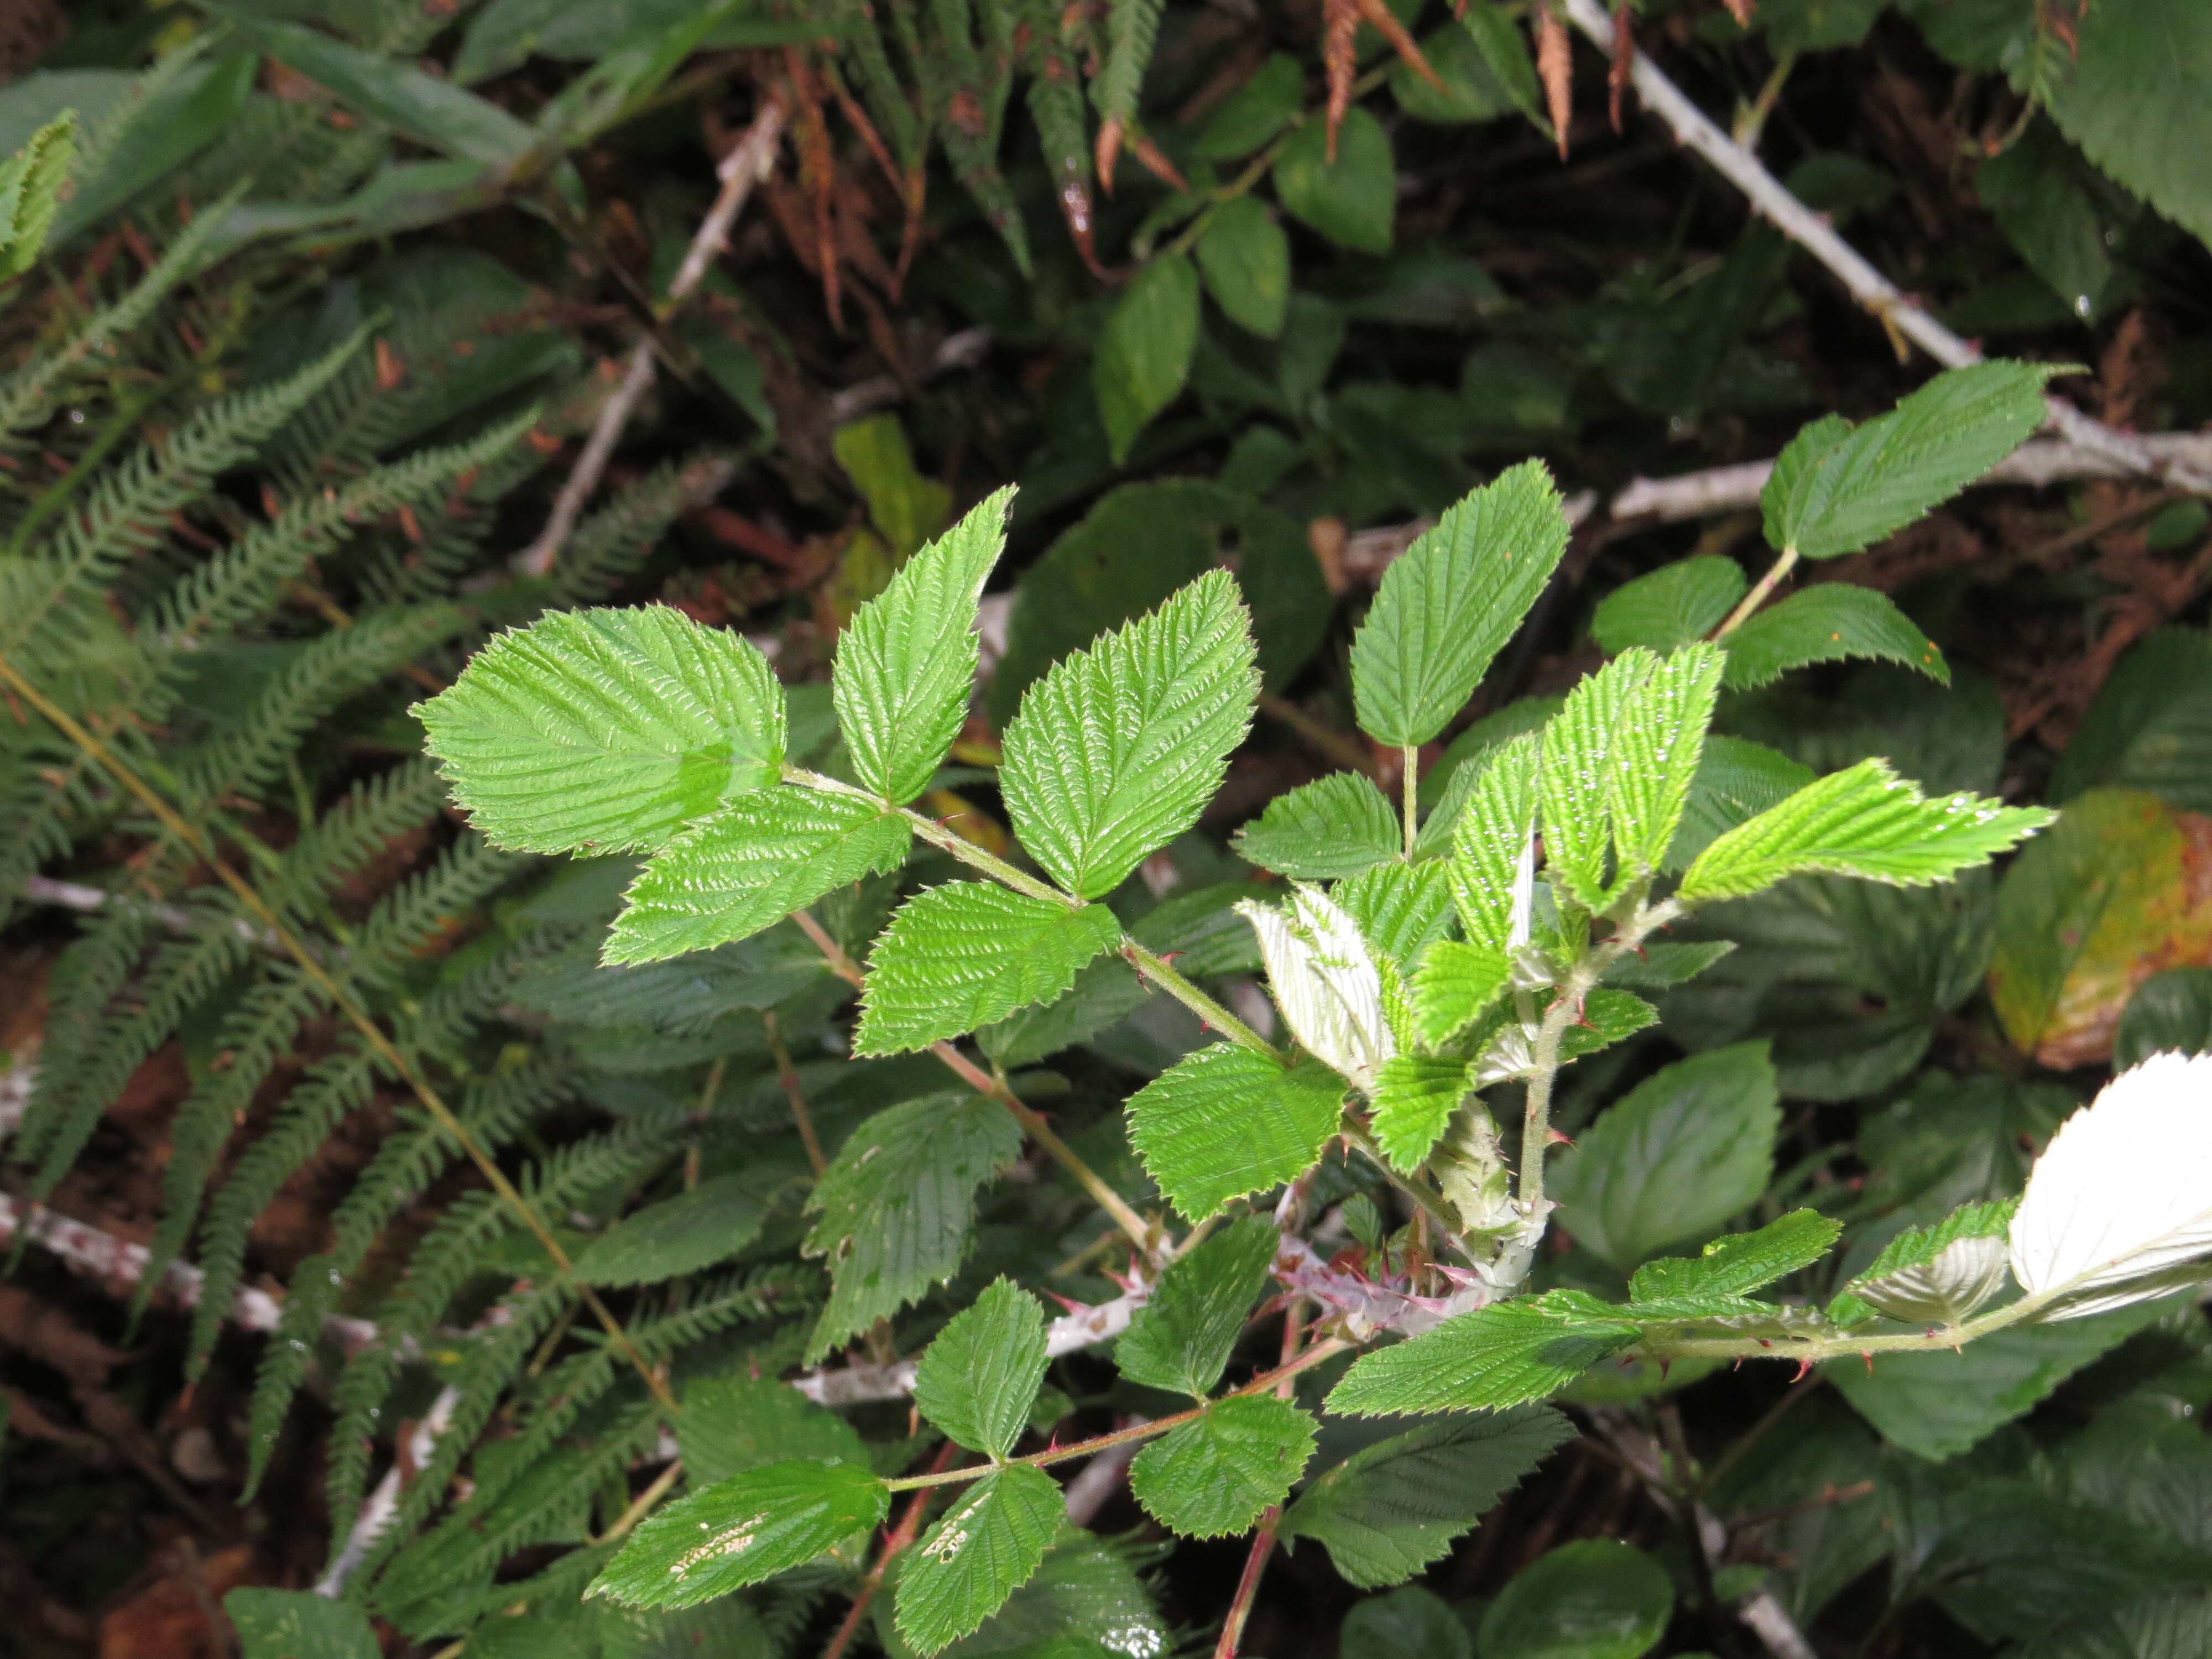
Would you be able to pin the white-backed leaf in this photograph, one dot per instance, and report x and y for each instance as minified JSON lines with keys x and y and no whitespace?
{"x":968,"y":954}
{"x":906,"y":663}
{"x":1225,"y":1122}
{"x":1119,"y":748}
{"x":748,"y":867}
{"x":976,"y":1380}
{"x":2123,"y":1192}
{"x":1828,"y":623}
{"x":742,"y":1530}
{"x":1492,"y":863}
{"x":1864,"y":821}
{"x":1401,"y":910}
{"x":897,"y":1206}
{"x":1324,"y":982}
{"x":1836,"y":488}
{"x":1449,"y":604}
{"x":1214,"y":1476}
{"x":1935,"y":1275}
{"x":1336,"y":826}
{"x":988,"y":1544}
{"x":607,"y":729}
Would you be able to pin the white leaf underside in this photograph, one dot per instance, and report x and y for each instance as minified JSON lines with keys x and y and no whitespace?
{"x":2123,"y":1191}
{"x":1325,"y":983}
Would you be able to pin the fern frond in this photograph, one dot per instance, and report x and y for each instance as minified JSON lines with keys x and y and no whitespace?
{"x":1131,"y":28}
{"x":610,"y":546}
{"x":85,"y":983}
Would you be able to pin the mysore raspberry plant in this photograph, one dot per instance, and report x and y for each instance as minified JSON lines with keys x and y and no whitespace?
{"x":1433,"y":975}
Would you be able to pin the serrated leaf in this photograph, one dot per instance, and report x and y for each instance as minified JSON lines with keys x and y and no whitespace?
{"x":682,"y":1235}
{"x":1336,"y":826}
{"x":1214,"y":1476}
{"x":1674,"y":1158}
{"x":1655,"y":752}
{"x":1935,"y":1275}
{"x":897,"y":1206}
{"x":1827,"y":624}
{"x":31,"y":183}
{"x":1672,"y":606}
{"x":1505,"y":1354}
{"x":2123,"y":1192}
{"x":1202,"y":932}
{"x":1324,"y":981}
{"x":1864,"y":821}
{"x":740,"y":1531}
{"x":1086,"y":1584}
{"x":1576,"y":783}
{"x":1106,"y":992}
{"x":1492,"y":863}
{"x":1609,"y":1016}
{"x":1352,"y":199}
{"x":1119,"y":748}
{"x":906,"y":663}
{"x":1180,"y":1340}
{"x":1659,"y":967}
{"x":976,"y":1380}
{"x":606,"y":729}
{"x":1741,"y":1262}
{"x":968,"y":954}
{"x":749,"y":867}
{"x":1596,"y":1598}
{"x":731,"y":1422}
{"x":1836,"y":489}
{"x":1415,"y":1097}
{"x":988,"y":1544}
{"x":1225,"y":1122}
{"x":1144,"y":351}
{"x":1401,"y":910}
{"x":1455,"y":985}
{"x":1735,"y":781}
{"x":1391,"y":1508}
{"x":1447,"y":606}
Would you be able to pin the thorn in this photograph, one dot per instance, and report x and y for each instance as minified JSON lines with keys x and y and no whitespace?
{"x":1803,"y":1366}
{"x":1665,"y":1365}
{"x":1553,"y":1138}
{"x":1869,"y":1358}
{"x":1073,"y":1307}
{"x":1764,"y":1343}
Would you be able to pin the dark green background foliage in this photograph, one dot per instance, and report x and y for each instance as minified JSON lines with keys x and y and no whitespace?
{"x":495,"y":1192}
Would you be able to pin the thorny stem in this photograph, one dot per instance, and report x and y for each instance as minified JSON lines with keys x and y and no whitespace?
{"x":1141,"y":1232}
{"x":371,"y":1033}
{"x":1812,"y":1350}
{"x":1248,"y":1583}
{"x":787,"y":1074}
{"x":1157,"y":1426}
{"x":1765,"y":585}
{"x":1151,"y":965}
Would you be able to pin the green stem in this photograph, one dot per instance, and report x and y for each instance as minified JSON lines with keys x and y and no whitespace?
{"x":1766,"y":584}
{"x":1811,"y":1350}
{"x":1157,"y":1426}
{"x":1409,"y":790}
{"x":1156,"y":968}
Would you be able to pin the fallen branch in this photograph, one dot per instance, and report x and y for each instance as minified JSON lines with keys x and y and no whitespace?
{"x":1083,"y":1327}
{"x":1897,"y":311}
{"x":745,"y":166}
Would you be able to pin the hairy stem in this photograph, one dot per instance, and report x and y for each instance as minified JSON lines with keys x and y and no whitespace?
{"x":1758,"y":596}
{"x":1409,"y":790}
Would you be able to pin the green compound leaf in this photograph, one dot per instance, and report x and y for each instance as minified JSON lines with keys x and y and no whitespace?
{"x":1825,"y":624}
{"x":1180,"y":1339}
{"x":1577,"y":786}
{"x":897,"y":1206}
{"x":1455,"y":985}
{"x":1596,"y":1599}
{"x":1491,"y":844}
{"x":976,"y":1380}
{"x":748,"y":867}
{"x":1935,"y":1275}
{"x":1736,"y":780}
{"x":1864,"y":821}
{"x":1390,"y":1509}
{"x":605,"y":729}
{"x":1400,"y":909}
{"x":1214,"y":1476}
{"x":1447,"y":607}
{"x":1672,"y":1160}
{"x":1742,"y":1262}
{"x":733,"y":1423}
{"x":1672,"y":606}
{"x":742,"y":1530}
{"x":990,"y":1542}
{"x":907,"y":661}
{"x":1225,"y":1122}
{"x":1656,"y":754}
{"x":1836,"y":488}
{"x":1506,"y":1354}
{"x":1117,"y":749}
{"x":1245,"y":257}
{"x":968,"y":954}
{"x":682,"y":1235}
{"x":1415,"y":1095}
{"x":1144,"y":356}
{"x":1336,"y":826}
